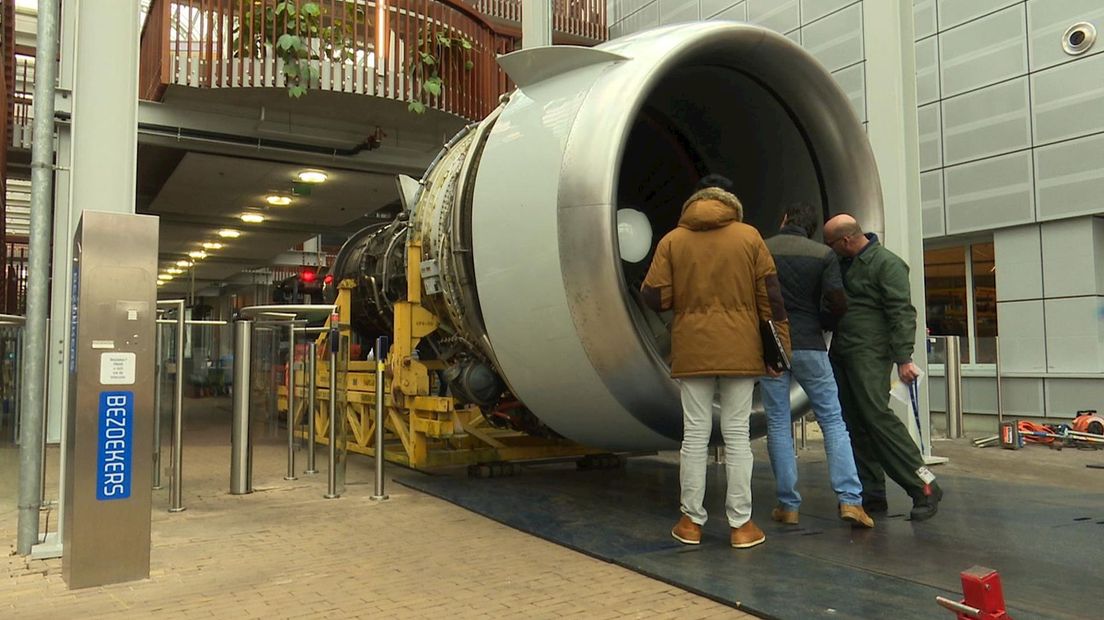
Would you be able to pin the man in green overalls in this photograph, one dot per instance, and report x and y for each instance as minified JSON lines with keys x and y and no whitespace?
{"x":877,"y":332}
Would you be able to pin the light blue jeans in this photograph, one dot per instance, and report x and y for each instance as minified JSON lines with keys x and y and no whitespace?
{"x":697,"y":416}
{"x":813,"y":372}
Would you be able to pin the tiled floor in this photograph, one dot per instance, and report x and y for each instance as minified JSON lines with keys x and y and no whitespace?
{"x":284,"y":551}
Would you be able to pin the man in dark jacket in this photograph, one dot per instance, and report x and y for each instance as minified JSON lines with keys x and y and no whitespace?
{"x":877,"y":332}
{"x":717,"y":275}
{"x":815,"y":302}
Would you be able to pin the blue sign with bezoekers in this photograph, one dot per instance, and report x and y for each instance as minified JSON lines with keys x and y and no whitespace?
{"x":115,"y":446}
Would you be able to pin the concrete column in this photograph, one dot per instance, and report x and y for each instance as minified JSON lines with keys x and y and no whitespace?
{"x":894,"y":136}
{"x":536,"y":23}
{"x":96,"y":153}
{"x":96,"y":158}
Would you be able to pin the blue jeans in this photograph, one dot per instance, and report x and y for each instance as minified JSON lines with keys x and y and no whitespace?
{"x":813,"y":372}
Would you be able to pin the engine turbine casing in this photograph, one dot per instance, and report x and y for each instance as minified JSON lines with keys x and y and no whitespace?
{"x":517,"y":217}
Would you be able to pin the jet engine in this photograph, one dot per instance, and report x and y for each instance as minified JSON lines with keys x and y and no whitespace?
{"x":536,"y":223}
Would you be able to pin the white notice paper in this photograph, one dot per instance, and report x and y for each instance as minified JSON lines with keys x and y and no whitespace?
{"x":117,"y":368}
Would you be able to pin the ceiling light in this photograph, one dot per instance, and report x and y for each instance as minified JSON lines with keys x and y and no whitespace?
{"x":277,"y":200}
{"x":174,"y":270}
{"x":197,"y":254}
{"x":160,"y":283}
{"x":252,"y":218}
{"x":164,"y":276}
{"x":229,"y":233}
{"x":311,"y":176}
{"x":212,"y":245}
{"x":184,"y":263}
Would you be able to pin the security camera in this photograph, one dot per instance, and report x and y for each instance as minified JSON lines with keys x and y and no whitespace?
{"x":1078,"y":38}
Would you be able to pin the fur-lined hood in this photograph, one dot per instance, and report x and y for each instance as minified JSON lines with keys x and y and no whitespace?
{"x":711,"y":208}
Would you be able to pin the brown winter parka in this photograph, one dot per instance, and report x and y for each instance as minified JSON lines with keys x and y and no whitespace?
{"x":717,"y":275}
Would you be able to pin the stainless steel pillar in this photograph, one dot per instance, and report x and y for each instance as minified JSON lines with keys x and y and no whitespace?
{"x":159,"y":377}
{"x":176,"y":502}
{"x":106,"y":492}
{"x":291,"y":404}
{"x":312,"y":354}
{"x":331,"y":478}
{"x":952,"y":374}
{"x":241,"y":438}
{"x":381,"y":345}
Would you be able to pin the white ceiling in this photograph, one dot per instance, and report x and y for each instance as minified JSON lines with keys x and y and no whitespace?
{"x":207,"y":192}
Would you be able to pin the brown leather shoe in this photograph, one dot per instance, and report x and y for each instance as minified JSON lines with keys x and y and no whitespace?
{"x":856,"y":515}
{"x":687,"y":532}
{"x":747,"y":535}
{"x":780,"y":514}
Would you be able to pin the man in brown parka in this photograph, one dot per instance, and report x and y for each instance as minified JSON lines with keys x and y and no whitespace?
{"x":717,"y":275}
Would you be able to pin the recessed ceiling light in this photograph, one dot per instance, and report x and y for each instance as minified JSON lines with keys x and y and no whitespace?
{"x":184,"y":263}
{"x":277,"y":200}
{"x":229,"y":233}
{"x":312,"y":176}
{"x":212,"y":245}
{"x":197,"y":254}
{"x":252,"y":218}
{"x":164,"y":276}
{"x":174,"y":270}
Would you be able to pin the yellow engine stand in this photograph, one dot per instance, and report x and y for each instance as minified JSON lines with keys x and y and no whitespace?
{"x":421,"y":431}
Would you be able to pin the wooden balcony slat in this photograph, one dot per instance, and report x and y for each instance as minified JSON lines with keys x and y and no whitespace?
{"x":229,"y":43}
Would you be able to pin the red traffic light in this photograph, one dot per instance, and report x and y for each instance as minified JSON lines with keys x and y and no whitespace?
{"x":308,"y":275}
{"x":328,"y":279}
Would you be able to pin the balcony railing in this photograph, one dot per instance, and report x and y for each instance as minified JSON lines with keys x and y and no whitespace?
{"x":368,"y":47}
{"x":574,"y":21}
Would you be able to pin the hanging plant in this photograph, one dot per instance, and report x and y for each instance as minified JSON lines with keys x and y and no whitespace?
{"x":435,"y":51}
{"x":300,"y":34}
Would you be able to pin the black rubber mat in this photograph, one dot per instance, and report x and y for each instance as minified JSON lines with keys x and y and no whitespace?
{"x":1045,"y":542}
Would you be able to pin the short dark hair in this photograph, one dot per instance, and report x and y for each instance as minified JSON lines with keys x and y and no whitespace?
{"x":803,"y":215}
{"x":715,"y":180}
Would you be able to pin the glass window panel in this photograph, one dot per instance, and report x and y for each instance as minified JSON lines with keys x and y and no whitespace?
{"x":985,"y":302}
{"x":945,"y":284}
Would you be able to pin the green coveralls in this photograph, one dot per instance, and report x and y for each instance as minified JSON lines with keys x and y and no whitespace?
{"x":876,"y":333}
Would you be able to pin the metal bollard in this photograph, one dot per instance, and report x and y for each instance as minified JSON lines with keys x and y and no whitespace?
{"x":953,"y":376}
{"x":335,"y":343}
{"x":291,"y":404}
{"x":159,"y":377}
{"x":241,"y":439}
{"x":381,"y":344}
{"x":312,"y":354}
{"x":1000,"y":396}
{"x":176,"y":502}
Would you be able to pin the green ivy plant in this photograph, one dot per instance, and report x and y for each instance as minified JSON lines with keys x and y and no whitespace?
{"x":435,"y":51}
{"x":299,"y":33}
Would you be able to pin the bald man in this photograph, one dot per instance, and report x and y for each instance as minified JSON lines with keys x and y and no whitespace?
{"x":876,"y":333}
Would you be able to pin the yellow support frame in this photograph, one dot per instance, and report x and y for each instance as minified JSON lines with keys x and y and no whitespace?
{"x":422,"y":431}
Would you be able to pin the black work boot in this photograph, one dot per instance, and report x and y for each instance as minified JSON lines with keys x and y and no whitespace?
{"x":875,"y":503}
{"x":926,"y":504}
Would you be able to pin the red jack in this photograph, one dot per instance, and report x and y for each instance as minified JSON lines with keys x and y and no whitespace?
{"x":983,"y":597}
